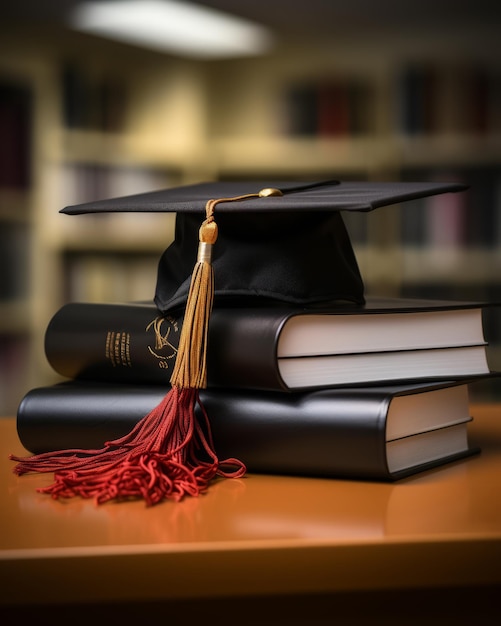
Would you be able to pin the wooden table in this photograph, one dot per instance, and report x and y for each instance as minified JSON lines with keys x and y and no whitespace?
{"x":300,"y":548}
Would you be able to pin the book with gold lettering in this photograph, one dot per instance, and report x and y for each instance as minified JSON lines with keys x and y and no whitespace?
{"x":275,"y":347}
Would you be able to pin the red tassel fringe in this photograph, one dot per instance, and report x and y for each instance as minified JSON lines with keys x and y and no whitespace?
{"x":156,"y":461}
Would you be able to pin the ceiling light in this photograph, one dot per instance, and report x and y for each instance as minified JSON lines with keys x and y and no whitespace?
{"x":172,"y":26}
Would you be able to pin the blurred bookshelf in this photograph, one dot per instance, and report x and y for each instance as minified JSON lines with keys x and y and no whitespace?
{"x":85,"y":120}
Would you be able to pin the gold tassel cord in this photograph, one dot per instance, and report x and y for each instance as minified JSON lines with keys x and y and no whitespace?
{"x":190,"y":368}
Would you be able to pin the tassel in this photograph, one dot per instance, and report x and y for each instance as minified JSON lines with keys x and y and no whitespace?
{"x":160,"y":458}
{"x":157,"y":460}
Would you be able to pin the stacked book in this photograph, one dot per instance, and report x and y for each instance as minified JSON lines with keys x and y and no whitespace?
{"x":375,"y":392}
{"x":305,"y":374}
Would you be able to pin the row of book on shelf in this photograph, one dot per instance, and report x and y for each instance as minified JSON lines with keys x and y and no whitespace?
{"x":425,"y":98}
{"x":471,"y":220}
{"x":377,"y":392}
{"x":458,"y":98}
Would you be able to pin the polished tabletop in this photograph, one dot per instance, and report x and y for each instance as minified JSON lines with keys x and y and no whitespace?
{"x":259,"y":533}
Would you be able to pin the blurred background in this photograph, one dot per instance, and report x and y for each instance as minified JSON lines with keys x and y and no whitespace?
{"x":299,"y":89}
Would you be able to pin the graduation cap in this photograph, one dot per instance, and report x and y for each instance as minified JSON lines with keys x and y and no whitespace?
{"x":277,"y":240}
{"x":250,"y":241}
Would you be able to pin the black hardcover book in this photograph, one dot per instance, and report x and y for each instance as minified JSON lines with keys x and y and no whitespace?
{"x":275,"y":347}
{"x":371,"y":433}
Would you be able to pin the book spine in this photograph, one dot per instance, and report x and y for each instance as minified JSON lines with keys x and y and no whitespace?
{"x":417,"y":98}
{"x":322,"y":433}
{"x":136,"y":343}
{"x":16,"y":121}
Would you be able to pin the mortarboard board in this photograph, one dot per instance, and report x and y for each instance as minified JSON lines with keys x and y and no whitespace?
{"x":278,"y":240}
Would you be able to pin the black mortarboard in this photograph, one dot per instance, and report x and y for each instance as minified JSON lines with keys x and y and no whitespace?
{"x":293,"y":247}
{"x":284,"y":241}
